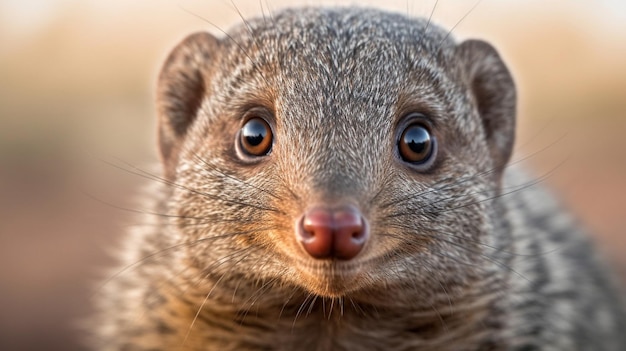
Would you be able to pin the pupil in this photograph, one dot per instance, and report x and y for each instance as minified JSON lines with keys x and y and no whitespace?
{"x":254,"y":132}
{"x":254,"y":140}
{"x":417,"y":139}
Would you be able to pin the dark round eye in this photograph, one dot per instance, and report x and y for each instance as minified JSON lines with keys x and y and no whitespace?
{"x":256,"y":137}
{"x":415,"y":144}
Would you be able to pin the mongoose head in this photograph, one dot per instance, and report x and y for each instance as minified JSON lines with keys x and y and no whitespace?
{"x":342,"y":152}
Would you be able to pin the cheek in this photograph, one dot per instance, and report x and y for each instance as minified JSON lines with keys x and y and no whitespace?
{"x":213,"y":141}
{"x":445,"y":212}
{"x":463,"y":231}
{"x":282,"y":242}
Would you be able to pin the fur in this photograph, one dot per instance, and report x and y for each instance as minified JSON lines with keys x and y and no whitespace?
{"x":463,"y":255}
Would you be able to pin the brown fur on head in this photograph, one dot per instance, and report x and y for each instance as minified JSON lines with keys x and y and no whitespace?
{"x":336,"y":87}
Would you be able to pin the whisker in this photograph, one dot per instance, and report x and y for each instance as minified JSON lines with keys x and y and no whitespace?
{"x":520,"y":188}
{"x":270,"y":11}
{"x":144,"y":212}
{"x":256,"y":295}
{"x":166,"y":251}
{"x":357,"y":307}
{"x":208,"y":295}
{"x":341,"y":308}
{"x":520,"y":145}
{"x":459,"y":22}
{"x":195,"y":317}
{"x":262,"y":12}
{"x":249,"y":27}
{"x":255,"y":64}
{"x":447,"y":295}
{"x":490,"y":259}
{"x":293,"y":292}
{"x":535,"y":153}
{"x":495,"y":249}
{"x":240,"y":181}
{"x":430,"y":17}
{"x":330,"y":308}
{"x":244,"y":20}
{"x":198,"y":221}
{"x":299,"y":312}
{"x":438,"y":231}
{"x":142,"y":173}
{"x":155,"y":295}
{"x":474,"y":252}
{"x":434,"y":54}
{"x":311,"y":305}
{"x":240,"y":253}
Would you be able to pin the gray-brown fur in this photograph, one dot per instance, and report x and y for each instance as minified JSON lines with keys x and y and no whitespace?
{"x":463,"y":256}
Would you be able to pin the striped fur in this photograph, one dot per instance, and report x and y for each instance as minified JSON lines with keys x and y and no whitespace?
{"x":463,"y":256}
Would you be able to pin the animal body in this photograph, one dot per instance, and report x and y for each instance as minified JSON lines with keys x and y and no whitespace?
{"x":337,"y":179}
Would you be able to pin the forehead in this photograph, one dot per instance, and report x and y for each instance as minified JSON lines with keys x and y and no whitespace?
{"x":328,"y":60}
{"x":345,"y":46}
{"x":338,"y":32}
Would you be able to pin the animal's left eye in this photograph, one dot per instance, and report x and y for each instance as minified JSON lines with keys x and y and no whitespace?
{"x":416,"y":144}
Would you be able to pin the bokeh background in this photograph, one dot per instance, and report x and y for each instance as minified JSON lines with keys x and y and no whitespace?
{"x":77,"y":85}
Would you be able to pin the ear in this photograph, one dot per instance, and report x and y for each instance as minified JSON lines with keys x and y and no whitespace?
{"x":493,"y":90}
{"x":182,"y":85}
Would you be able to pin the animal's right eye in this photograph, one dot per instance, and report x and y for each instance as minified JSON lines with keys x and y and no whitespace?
{"x":255,"y":137}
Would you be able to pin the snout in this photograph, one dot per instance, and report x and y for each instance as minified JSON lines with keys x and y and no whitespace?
{"x":332,"y":232}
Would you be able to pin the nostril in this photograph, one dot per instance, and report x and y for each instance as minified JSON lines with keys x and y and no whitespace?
{"x":333,"y":233}
{"x":317,"y":222}
{"x":316,"y":233}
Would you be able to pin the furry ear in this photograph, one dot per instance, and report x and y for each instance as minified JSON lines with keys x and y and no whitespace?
{"x":182,"y":85}
{"x":494,"y":93}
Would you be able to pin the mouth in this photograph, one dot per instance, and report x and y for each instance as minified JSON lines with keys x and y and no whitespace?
{"x":331,"y":278}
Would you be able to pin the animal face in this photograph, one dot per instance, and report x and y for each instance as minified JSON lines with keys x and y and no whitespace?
{"x":339,"y":152}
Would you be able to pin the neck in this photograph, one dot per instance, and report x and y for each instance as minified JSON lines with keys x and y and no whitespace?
{"x":273,"y":317}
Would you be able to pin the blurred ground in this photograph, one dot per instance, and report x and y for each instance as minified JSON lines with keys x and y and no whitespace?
{"x":76,"y":85}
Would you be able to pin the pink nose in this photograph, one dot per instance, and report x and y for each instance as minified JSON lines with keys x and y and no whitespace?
{"x":333,"y":233}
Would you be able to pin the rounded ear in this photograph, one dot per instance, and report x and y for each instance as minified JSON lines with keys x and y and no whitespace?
{"x":181,"y":88}
{"x":493,"y":90}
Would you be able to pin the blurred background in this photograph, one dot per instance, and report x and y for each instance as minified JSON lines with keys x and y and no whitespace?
{"x":77,"y":84}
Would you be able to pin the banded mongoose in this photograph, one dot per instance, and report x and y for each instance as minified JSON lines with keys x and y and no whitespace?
{"x":337,"y":179}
